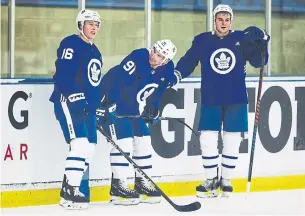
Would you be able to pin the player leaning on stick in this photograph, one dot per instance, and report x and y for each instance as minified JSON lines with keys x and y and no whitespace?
{"x":141,"y":77}
{"x":223,"y":54}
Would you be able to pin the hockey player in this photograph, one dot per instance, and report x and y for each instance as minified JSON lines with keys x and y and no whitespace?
{"x":76,"y":96}
{"x":223,"y":54}
{"x":142,"y":73}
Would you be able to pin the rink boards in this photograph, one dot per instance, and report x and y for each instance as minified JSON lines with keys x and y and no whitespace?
{"x":33,"y":148}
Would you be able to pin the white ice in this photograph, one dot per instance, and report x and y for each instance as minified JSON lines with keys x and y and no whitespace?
{"x":290,"y":202}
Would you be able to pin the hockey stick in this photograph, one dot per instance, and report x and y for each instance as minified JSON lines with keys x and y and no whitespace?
{"x":161,"y":118}
{"x":257,"y":109}
{"x":181,"y":208}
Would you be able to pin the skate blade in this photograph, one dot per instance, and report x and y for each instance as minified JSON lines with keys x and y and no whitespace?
{"x":124,"y":201}
{"x":69,"y":205}
{"x":149,"y":200}
{"x":209,"y":194}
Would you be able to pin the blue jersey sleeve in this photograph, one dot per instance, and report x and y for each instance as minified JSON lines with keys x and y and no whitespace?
{"x":67,"y":65}
{"x":123,"y":75}
{"x":187,"y":64}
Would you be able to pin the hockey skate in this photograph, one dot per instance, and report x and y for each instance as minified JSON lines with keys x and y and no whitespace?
{"x":64,"y":183}
{"x":208,"y":189}
{"x":121,"y":194}
{"x":226,"y":187}
{"x":148,"y":193}
{"x":72,"y":198}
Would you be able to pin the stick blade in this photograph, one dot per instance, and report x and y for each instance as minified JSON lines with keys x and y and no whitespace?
{"x":188,"y":208}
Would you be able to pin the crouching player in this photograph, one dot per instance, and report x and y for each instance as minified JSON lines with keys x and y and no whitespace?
{"x":142,"y":73}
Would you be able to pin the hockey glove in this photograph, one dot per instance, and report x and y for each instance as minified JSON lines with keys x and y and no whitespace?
{"x":151,"y":115}
{"x":176,"y":78}
{"x":106,"y":114}
{"x":253,"y":33}
{"x":76,"y":104}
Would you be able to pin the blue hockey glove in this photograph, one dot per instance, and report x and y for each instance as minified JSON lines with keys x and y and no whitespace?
{"x":175,"y":79}
{"x":76,"y":104}
{"x":151,"y":115}
{"x":106,"y":114}
{"x":253,"y":33}
{"x":261,"y":45}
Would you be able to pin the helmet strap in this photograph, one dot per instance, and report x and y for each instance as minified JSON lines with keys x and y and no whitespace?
{"x":83,"y":34}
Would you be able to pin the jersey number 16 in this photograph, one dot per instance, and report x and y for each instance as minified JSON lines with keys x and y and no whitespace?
{"x":67,"y":53}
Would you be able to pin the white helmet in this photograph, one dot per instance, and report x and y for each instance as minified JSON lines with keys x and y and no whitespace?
{"x":222,"y":8}
{"x":86,"y":15}
{"x":166,"y":48}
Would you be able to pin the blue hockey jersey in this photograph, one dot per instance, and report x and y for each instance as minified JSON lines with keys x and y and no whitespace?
{"x":133,"y":80}
{"x":78,"y":70}
{"x":223,"y":66}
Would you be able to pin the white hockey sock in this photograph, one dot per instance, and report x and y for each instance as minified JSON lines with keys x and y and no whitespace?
{"x":75,"y":162}
{"x":142,"y":154}
{"x":90,"y":154}
{"x":210,"y":156}
{"x":119,"y":165}
{"x":231,"y":143}
{"x":75,"y":166}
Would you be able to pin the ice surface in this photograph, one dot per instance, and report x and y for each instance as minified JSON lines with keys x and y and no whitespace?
{"x":260,"y":203}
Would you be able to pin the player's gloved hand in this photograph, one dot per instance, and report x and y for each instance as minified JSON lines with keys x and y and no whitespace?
{"x":253,"y":33}
{"x":177,"y":78}
{"x":151,"y":115}
{"x":76,"y":104}
{"x":106,"y":114}
{"x":262,"y":45}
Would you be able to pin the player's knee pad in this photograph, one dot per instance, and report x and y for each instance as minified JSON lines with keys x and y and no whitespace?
{"x":90,"y":153}
{"x":77,"y":153}
{"x":125,"y":144}
{"x":142,"y":145}
{"x":209,"y":142}
{"x":83,"y":148}
{"x":119,"y":165}
{"x":142,"y":153}
{"x":209,"y":151}
{"x":231,"y":143}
